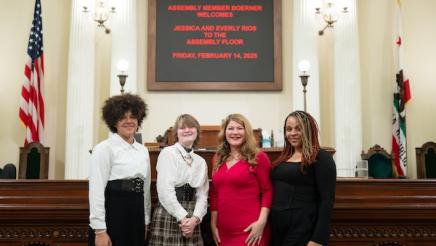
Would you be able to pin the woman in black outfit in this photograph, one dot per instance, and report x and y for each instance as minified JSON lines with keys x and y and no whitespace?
{"x":119,"y":177}
{"x":304,"y":179}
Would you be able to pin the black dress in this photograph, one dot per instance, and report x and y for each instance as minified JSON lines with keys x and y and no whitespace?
{"x":302,"y":202}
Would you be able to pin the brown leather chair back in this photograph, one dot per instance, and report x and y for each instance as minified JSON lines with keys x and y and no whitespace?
{"x":426,"y":160}
{"x":34,"y":159}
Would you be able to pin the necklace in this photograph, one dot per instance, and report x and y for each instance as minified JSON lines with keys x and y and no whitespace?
{"x":235,"y":157}
{"x":187,"y":157}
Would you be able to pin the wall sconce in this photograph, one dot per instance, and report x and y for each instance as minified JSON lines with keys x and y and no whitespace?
{"x":101,"y":14}
{"x":330,"y":14}
{"x":304,"y":66}
{"x":122,"y":66}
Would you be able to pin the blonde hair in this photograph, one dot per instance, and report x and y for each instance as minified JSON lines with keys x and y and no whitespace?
{"x":189,"y":121}
{"x":248,"y":148}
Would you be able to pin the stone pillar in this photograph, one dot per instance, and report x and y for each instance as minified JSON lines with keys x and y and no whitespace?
{"x":80,"y":92}
{"x":124,"y":45}
{"x":305,"y":47}
{"x":348,"y":109}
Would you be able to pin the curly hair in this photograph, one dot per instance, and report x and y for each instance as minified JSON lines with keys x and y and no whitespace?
{"x":248,"y":148}
{"x":116,"y":107}
{"x":189,"y":121}
{"x":309,"y":140}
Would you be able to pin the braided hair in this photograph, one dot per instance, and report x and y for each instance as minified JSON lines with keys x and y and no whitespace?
{"x":309,"y":140}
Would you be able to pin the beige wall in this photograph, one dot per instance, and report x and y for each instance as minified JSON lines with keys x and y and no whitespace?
{"x":264,"y":109}
{"x":15,"y":22}
{"x":376,"y":23}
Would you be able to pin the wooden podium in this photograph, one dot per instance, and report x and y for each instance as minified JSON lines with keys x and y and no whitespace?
{"x":367,"y":212}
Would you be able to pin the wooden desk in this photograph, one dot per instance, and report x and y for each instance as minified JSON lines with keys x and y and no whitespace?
{"x":46,"y":211}
{"x":370,"y":212}
{"x":384,"y":212}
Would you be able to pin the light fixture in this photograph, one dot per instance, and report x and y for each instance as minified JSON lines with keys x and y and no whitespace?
{"x":330,"y":14}
{"x":304,"y":67}
{"x":122,"y":66}
{"x":101,"y":14}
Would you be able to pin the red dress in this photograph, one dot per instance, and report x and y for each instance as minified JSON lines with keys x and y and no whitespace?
{"x":237,"y":194}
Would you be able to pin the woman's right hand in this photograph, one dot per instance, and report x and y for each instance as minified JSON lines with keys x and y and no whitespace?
{"x":214,"y":229}
{"x":215,"y":235}
{"x":312,"y":243}
{"x":103,"y":239}
{"x":187,"y":225}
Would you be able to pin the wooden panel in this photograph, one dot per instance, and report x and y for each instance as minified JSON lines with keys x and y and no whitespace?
{"x":379,"y":212}
{"x":47,"y":211}
{"x":208,"y":137}
{"x":367,"y":212}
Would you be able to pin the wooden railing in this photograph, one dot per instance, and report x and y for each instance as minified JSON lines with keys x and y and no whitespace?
{"x":367,"y":212}
{"x":378,"y":212}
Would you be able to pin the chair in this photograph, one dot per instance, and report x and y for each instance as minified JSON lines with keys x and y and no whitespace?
{"x":9,"y":171}
{"x":426,"y":160}
{"x":34,"y":159}
{"x":380,"y":163}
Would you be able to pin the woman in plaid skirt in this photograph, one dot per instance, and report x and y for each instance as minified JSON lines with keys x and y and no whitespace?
{"x":182,"y":188}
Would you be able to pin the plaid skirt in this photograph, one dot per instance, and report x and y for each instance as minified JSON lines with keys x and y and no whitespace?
{"x":165,"y":229}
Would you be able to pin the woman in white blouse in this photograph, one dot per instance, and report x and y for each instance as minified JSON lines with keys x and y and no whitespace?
{"x":119,"y":178}
{"x":182,"y":187}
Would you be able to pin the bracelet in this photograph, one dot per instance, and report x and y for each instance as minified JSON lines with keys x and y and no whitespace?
{"x":100,"y":232}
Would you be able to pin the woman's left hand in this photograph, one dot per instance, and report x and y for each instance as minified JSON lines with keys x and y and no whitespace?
{"x":256,"y":231}
{"x":312,"y":243}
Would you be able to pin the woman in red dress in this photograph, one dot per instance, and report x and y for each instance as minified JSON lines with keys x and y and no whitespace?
{"x":241,"y":191}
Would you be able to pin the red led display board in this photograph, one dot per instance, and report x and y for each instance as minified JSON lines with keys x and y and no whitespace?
{"x":214,"y":45}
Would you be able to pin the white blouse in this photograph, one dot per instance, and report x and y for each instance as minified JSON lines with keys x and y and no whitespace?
{"x":112,"y":159}
{"x":173,"y":171}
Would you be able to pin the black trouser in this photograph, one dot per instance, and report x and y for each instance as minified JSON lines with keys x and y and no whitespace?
{"x":292,"y":227}
{"x":125,"y":220}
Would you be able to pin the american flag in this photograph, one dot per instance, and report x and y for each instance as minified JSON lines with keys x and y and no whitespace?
{"x":32,"y":99}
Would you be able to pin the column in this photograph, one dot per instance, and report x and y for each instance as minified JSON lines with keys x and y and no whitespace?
{"x":348,"y":109}
{"x":80,"y":92}
{"x":124,"y":45}
{"x":305,"y":47}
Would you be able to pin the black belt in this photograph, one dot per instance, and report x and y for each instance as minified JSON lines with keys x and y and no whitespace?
{"x":133,"y":185}
{"x":185,"y":193}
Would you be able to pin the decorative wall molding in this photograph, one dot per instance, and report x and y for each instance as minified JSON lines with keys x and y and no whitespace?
{"x":36,"y":233}
{"x":389,"y":243}
{"x":371,"y":231}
